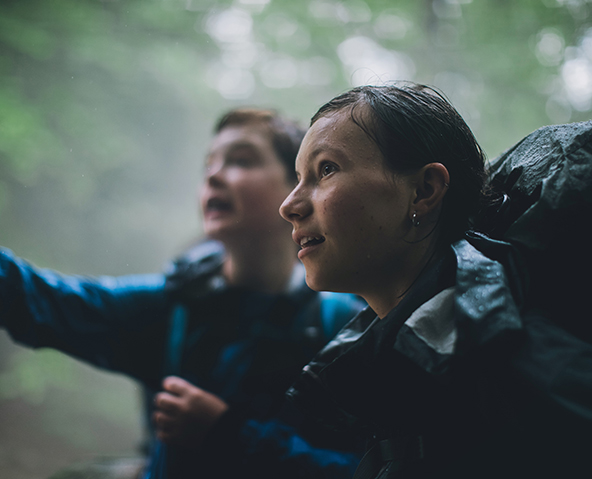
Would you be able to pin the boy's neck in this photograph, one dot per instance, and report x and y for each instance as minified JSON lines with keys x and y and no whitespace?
{"x":264,"y":266}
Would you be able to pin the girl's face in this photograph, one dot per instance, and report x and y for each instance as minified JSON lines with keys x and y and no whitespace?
{"x":350,"y":214}
{"x":245,"y":183}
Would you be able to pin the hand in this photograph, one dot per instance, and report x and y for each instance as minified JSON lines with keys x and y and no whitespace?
{"x":185,"y":413}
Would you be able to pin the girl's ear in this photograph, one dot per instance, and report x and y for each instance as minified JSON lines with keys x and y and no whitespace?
{"x":431,"y":187}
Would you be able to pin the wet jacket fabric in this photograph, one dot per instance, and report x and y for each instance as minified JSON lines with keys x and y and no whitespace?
{"x":462,"y":379}
{"x":243,"y":346}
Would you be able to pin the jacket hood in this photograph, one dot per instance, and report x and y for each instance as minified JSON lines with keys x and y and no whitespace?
{"x":199,"y":264}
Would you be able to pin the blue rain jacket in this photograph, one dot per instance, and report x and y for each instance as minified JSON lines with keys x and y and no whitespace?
{"x":244,"y":346}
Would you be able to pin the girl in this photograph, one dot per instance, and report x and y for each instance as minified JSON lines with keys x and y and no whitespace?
{"x":442,"y":371}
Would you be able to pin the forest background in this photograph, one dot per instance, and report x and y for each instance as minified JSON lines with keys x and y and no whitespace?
{"x":106,"y":109}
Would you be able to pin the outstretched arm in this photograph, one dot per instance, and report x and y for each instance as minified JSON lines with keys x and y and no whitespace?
{"x":98,"y":320}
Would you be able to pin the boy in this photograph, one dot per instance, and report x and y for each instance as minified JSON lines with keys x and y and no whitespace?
{"x":233,"y":320}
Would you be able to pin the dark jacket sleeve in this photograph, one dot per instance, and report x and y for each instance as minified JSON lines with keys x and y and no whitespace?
{"x":106,"y":321}
{"x":270,"y":449}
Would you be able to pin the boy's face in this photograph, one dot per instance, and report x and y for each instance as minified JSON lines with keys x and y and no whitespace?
{"x":244,"y":185}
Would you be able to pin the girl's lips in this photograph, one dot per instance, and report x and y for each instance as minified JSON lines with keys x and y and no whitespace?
{"x":306,"y":251}
{"x":309,"y":244}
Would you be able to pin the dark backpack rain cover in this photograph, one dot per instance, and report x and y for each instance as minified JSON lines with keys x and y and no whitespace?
{"x":545,"y":209}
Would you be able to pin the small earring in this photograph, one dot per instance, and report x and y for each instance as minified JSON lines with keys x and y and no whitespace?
{"x":414,"y":219}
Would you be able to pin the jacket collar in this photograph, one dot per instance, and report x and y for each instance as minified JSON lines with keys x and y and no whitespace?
{"x":479,"y":312}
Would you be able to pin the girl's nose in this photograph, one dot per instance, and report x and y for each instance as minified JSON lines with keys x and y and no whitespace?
{"x":296,"y":206}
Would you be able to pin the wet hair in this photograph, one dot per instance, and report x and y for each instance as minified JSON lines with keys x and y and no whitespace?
{"x":286,"y":135}
{"x":414,"y":125}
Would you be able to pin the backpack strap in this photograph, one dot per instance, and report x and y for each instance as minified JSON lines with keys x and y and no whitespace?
{"x":195,"y":269}
{"x":157,"y":468}
{"x":175,"y":340}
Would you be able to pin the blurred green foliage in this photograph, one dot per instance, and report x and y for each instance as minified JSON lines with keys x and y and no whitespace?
{"x":87,"y":85}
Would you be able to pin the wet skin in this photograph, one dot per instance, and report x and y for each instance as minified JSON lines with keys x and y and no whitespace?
{"x":353,"y":216}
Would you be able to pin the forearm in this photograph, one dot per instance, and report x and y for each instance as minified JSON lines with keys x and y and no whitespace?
{"x":87,"y":318}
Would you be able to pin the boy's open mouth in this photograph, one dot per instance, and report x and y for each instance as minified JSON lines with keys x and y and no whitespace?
{"x":216,"y":204}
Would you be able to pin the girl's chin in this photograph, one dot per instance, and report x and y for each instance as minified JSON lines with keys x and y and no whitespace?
{"x":317,"y":283}
{"x":311,"y":282}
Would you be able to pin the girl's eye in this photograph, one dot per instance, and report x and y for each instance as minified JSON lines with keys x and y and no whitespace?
{"x":327,"y":169}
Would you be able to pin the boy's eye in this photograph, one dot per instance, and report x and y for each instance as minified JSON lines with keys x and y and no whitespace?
{"x":241,"y":161}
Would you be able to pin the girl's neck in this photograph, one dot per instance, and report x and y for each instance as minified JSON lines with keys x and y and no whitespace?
{"x":383,"y":300}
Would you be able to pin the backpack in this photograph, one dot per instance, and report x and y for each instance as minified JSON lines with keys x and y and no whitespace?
{"x":543,"y":186}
